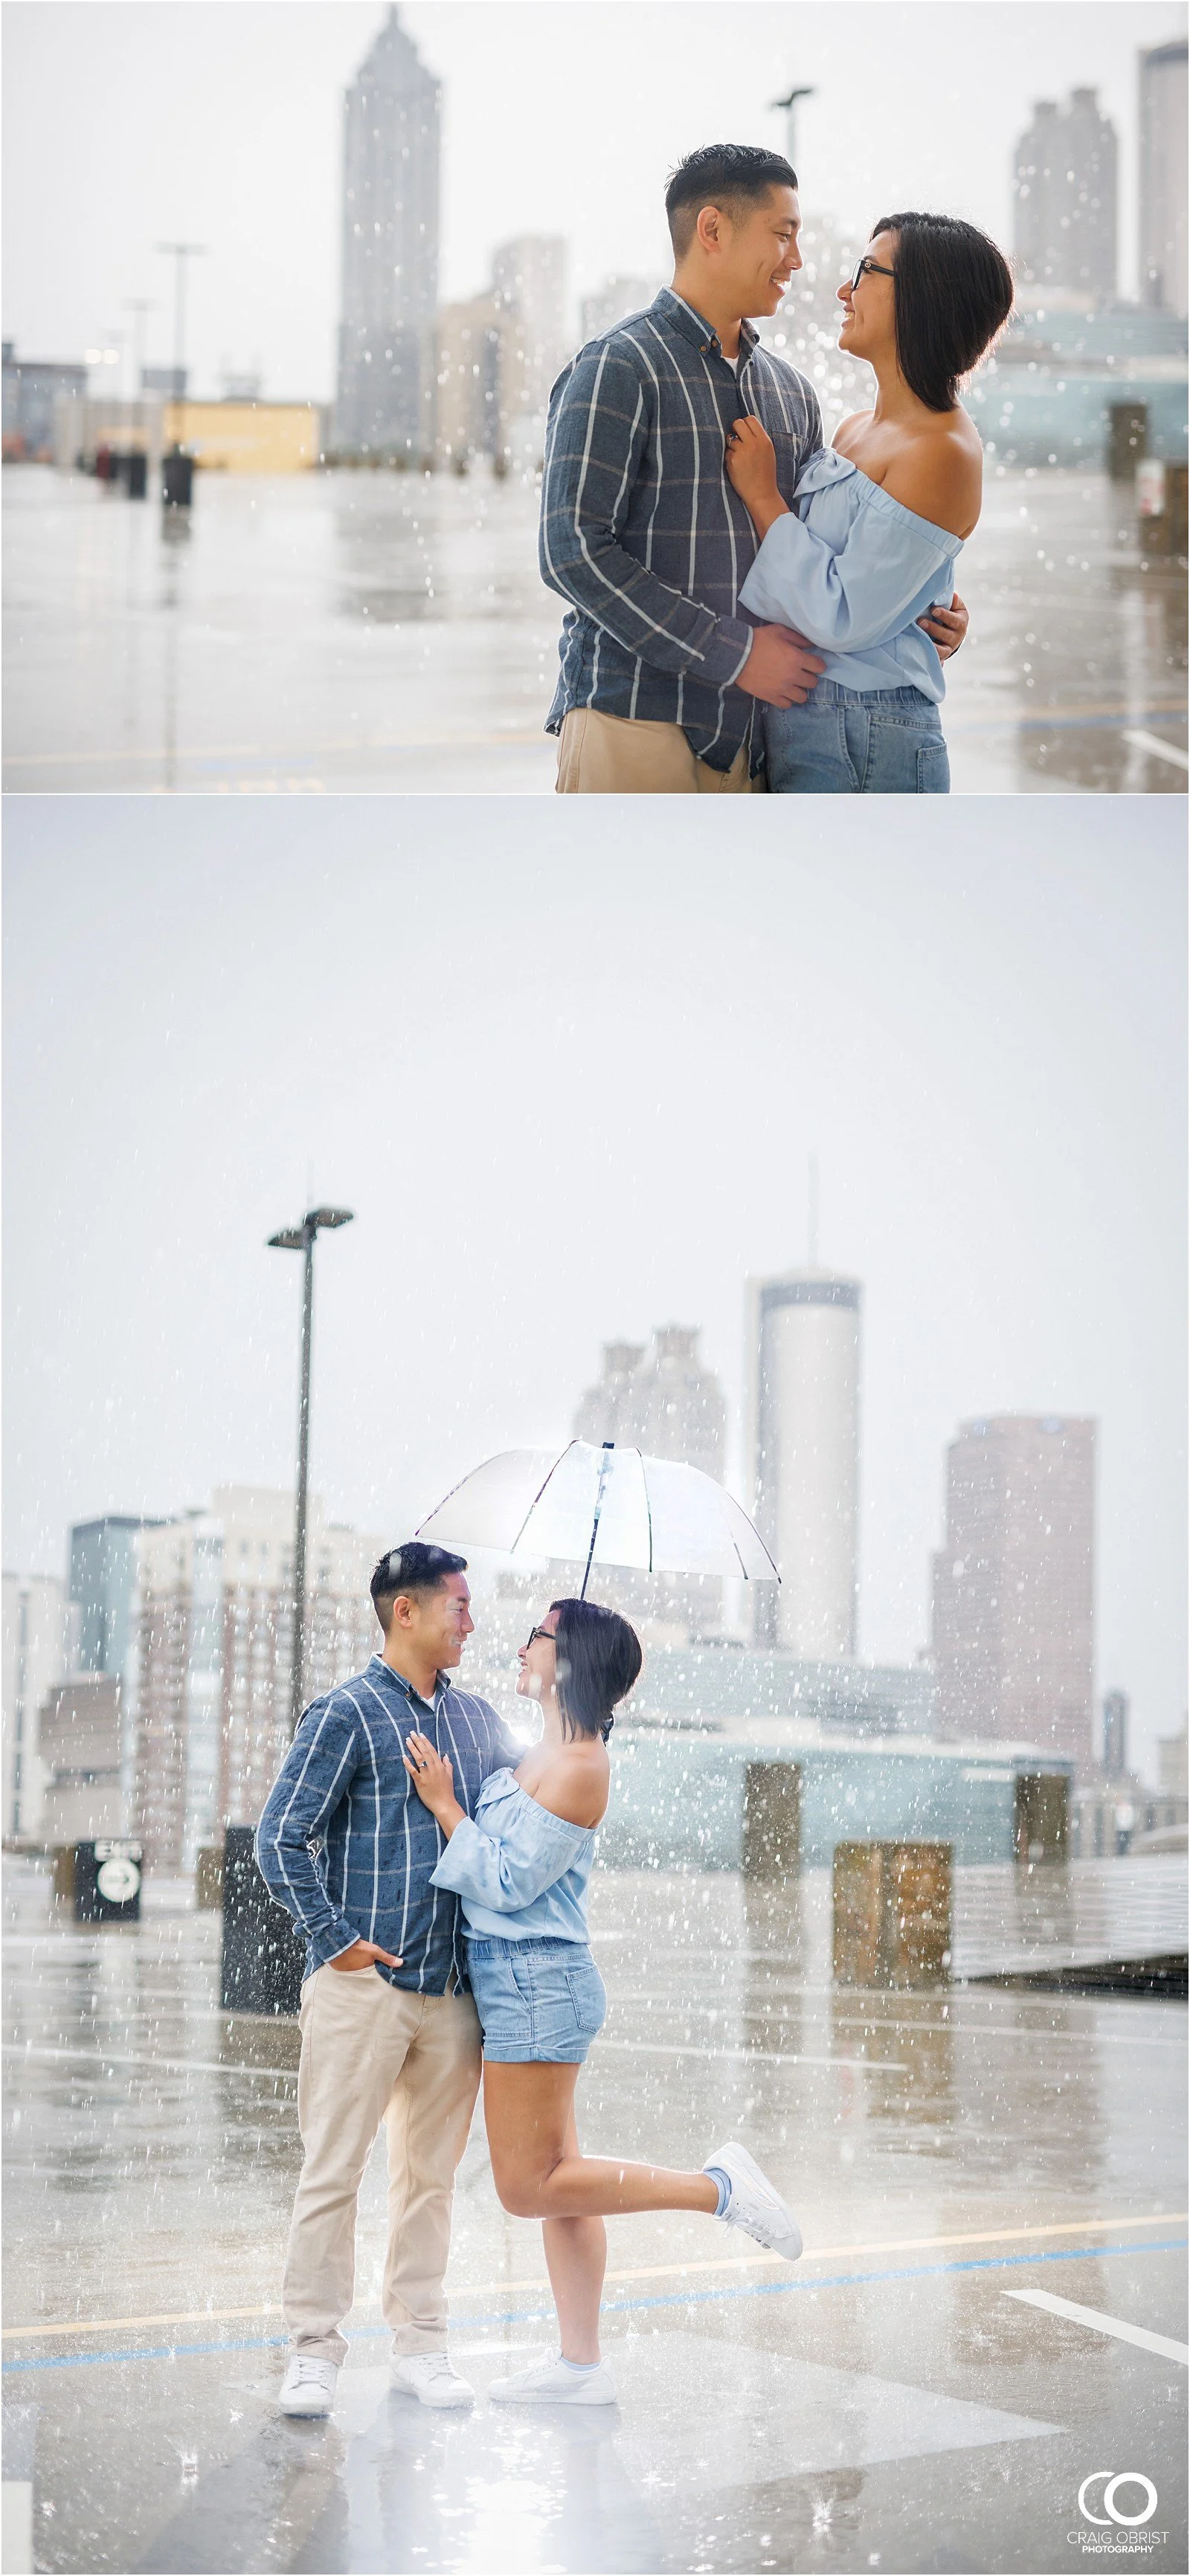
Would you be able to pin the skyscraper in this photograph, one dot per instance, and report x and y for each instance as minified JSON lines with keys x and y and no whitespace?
{"x":385,"y":399}
{"x":103,"y":1585}
{"x":1014,"y":1585}
{"x":103,"y":1578}
{"x":613,"y":302}
{"x":803,"y":1450}
{"x":1115,"y":1734}
{"x":1163,"y":175}
{"x":1065,"y":191}
{"x":664,"y":1400}
{"x":529,"y":284}
{"x":214,"y":1633}
{"x":36,"y":1650}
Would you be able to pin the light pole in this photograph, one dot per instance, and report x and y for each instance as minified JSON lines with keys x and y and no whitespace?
{"x":180,"y":252}
{"x":789,"y":104}
{"x":302,"y":1238}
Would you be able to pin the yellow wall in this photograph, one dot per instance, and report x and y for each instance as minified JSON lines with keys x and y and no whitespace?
{"x":244,"y":437}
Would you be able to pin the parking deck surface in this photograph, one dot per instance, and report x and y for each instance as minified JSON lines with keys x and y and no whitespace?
{"x":382,"y":632}
{"x":916,"y":2394}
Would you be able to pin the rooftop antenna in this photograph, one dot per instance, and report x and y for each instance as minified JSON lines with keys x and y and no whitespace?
{"x":812,"y":1214}
{"x":789,"y":107}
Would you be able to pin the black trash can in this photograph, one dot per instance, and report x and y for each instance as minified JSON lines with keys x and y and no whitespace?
{"x":138,"y":476}
{"x":177,"y":479}
{"x":263,"y":1952}
{"x":1127,"y":439}
{"x":107,"y":1882}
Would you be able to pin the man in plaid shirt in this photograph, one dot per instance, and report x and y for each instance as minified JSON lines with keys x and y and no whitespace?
{"x":389,"y":2029}
{"x":641,"y":531}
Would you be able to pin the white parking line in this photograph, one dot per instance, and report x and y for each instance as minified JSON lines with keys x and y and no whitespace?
{"x":744,"y":2056}
{"x":1152,"y":742}
{"x":1103,"y":2324}
{"x":107,"y":2059}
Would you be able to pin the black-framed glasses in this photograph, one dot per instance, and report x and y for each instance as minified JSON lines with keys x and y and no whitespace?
{"x":868,"y":268}
{"x":534,"y":1633}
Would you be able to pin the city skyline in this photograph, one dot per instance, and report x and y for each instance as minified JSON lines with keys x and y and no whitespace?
{"x":132,"y":146}
{"x":997,"y":1129}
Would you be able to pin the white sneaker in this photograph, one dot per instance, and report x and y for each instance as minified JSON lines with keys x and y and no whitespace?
{"x":753,"y":2203}
{"x":431,"y":2377}
{"x":309,"y":2386}
{"x":552,"y":2383}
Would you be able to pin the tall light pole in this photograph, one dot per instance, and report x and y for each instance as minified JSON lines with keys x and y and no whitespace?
{"x":180,"y":252}
{"x":789,"y":104}
{"x":302,"y":1238}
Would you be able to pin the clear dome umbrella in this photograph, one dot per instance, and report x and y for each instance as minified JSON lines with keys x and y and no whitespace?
{"x":609,"y":1506}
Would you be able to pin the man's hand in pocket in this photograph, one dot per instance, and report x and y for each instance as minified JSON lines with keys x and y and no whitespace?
{"x":364,"y":1954}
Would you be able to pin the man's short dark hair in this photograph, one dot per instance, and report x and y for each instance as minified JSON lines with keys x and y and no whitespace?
{"x":732,"y":175}
{"x":411,"y":1568}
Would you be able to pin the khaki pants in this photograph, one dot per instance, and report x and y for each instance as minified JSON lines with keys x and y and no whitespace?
{"x":372,"y":2052}
{"x":602,"y":755}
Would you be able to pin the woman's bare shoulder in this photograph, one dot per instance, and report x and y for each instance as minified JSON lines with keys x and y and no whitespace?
{"x":939,"y":474}
{"x":574,"y":1784}
{"x":854,"y":426}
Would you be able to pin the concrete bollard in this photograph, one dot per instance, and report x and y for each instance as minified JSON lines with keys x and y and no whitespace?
{"x":1161,"y":506}
{"x":208,"y":1879}
{"x":892,"y":1914}
{"x":263,"y":1951}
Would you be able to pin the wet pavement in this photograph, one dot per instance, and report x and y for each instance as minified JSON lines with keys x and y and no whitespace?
{"x":380,"y":631}
{"x":899,"y":2401}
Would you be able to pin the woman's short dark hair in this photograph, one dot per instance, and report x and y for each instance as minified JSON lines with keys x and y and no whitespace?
{"x":951,"y":295}
{"x":599,"y":1658}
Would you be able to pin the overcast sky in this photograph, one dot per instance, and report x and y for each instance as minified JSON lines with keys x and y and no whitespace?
{"x":218,"y":121}
{"x":571,"y":1095}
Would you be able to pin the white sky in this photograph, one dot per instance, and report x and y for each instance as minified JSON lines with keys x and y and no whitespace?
{"x":218,"y":121}
{"x":570,"y":1090}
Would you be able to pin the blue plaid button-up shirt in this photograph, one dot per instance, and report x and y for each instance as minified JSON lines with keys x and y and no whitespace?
{"x":345,"y":1842}
{"x":641,"y":530}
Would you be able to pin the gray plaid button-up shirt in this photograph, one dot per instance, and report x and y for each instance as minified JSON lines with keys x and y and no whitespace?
{"x":345,"y":1842}
{"x":640,"y":529}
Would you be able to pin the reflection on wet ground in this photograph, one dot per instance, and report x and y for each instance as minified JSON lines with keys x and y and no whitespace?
{"x":390,"y":632}
{"x":885,"y":2404}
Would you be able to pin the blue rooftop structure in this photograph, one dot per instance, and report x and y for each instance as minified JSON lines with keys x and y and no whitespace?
{"x":688,"y":1797}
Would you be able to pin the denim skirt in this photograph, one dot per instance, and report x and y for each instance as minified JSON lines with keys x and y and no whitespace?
{"x":857,"y":742}
{"x":538,"y":2001}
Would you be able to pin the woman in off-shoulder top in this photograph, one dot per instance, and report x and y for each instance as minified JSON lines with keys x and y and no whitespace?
{"x":520,"y":1865}
{"x":870,"y":548}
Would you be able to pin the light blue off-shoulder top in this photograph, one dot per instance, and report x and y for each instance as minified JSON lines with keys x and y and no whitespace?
{"x":521,"y":1873}
{"x":853,"y":570}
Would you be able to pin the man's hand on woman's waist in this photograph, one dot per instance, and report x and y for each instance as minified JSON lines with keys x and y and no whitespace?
{"x":781,"y":667}
{"x":946,"y":627}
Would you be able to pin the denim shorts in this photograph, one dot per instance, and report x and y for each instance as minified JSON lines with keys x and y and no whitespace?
{"x":857,"y":742}
{"x":538,"y":2001}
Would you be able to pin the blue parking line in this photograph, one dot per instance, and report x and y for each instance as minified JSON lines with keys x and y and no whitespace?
{"x":621,"y":2307}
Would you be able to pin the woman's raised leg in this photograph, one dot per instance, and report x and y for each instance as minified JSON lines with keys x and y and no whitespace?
{"x":538,"y":2171}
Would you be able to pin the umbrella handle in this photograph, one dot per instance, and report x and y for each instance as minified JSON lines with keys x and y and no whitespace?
{"x":604,"y":1463}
